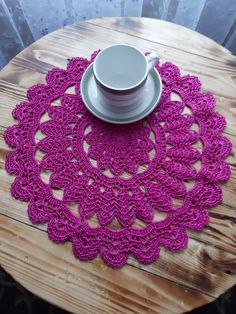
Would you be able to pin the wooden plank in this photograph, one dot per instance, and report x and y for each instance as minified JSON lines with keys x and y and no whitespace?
{"x":220,"y":235}
{"x":18,"y":89}
{"x":199,"y":266}
{"x":219,"y":73}
{"x":207,"y":265}
{"x":216,"y":77}
{"x":222,"y":217}
{"x":216,"y":19}
{"x":168,"y":34}
{"x":52,"y":273}
{"x":220,"y":232}
{"x":224,"y":211}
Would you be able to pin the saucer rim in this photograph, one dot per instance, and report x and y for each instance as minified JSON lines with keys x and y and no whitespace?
{"x":88,"y":103}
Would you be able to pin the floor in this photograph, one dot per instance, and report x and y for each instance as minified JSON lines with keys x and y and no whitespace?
{"x":14,"y":299}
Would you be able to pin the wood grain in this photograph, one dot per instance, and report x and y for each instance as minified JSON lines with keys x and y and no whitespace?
{"x":50,"y":270}
{"x":178,"y":37}
{"x":30,"y":20}
{"x":217,"y":76}
{"x":195,"y":275}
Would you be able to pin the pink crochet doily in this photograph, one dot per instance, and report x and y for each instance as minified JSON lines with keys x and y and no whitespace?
{"x":115,"y":180}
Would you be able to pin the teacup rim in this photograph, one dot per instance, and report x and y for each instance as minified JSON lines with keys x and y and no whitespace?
{"x":122,"y":88}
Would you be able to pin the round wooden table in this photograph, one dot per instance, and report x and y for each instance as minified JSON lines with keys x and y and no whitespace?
{"x":176,"y":282}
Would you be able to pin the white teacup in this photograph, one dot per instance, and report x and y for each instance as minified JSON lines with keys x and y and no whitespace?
{"x":120,"y":73}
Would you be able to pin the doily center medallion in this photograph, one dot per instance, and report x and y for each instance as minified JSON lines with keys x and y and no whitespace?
{"x":118,"y":189}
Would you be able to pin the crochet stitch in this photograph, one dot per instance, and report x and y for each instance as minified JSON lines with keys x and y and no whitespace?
{"x":124,"y":175}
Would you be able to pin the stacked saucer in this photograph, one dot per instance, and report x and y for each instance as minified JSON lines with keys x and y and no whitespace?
{"x":122,"y":115}
{"x":96,"y":96}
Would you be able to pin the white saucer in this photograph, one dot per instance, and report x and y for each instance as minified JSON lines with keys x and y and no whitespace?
{"x":151,"y":96}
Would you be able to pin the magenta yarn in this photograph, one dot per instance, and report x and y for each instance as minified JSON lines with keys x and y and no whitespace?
{"x":122,"y":173}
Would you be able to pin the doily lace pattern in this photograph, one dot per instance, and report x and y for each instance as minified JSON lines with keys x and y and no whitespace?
{"x":135,"y":187}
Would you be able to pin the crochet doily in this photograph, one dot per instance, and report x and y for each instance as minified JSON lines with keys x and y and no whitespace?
{"x":116,"y":190}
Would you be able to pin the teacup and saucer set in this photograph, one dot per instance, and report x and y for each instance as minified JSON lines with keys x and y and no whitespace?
{"x":121,"y":85}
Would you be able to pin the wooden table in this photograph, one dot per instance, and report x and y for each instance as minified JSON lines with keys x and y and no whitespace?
{"x":176,"y":282}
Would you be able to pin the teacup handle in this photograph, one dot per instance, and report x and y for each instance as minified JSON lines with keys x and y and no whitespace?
{"x":151,"y":59}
